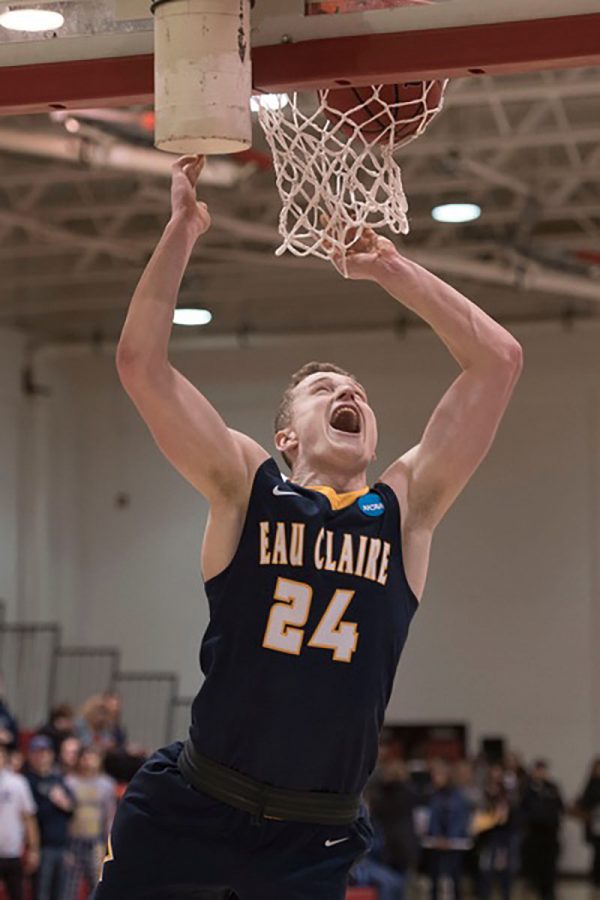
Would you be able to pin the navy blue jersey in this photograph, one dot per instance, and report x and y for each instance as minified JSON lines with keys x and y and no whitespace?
{"x":307,"y":625}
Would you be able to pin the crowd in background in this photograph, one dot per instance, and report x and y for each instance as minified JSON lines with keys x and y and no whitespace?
{"x":475,"y":825}
{"x":59,"y":787}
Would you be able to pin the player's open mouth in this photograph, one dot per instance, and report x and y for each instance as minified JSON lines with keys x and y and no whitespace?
{"x":346,"y":419}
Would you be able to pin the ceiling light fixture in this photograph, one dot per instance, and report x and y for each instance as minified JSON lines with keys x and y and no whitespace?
{"x":456,"y":212}
{"x":192,"y":317}
{"x":22,"y":19}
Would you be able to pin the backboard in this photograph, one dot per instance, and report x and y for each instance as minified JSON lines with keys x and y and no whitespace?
{"x":103,"y":54}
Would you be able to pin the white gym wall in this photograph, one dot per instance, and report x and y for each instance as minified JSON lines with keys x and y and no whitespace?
{"x":12,"y":409}
{"x":508,"y":638}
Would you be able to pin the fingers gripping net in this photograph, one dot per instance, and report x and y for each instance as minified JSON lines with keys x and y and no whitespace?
{"x":335,"y":167}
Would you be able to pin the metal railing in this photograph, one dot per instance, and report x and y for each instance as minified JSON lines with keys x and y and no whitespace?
{"x":80,"y":672}
{"x":148,"y":704}
{"x":180,"y":718}
{"x":27,"y":655}
{"x":39,"y":674}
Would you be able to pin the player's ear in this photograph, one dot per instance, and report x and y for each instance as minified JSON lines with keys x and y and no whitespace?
{"x":286,"y":440}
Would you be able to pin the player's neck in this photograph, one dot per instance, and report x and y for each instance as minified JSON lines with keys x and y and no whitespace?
{"x":342,"y":483}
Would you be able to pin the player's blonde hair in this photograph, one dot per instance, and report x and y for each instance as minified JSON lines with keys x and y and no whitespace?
{"x":283,"y":417}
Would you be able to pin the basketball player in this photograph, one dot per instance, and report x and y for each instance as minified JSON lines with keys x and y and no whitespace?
{"x":312,"y":583}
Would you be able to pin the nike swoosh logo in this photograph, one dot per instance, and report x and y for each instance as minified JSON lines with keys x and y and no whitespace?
{"x":279,"y":492}
{"x":339,"y":841}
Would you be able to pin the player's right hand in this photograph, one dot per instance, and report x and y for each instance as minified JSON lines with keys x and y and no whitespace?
{"x":184,"y":203}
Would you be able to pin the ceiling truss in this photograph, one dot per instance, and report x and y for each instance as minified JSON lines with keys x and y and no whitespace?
{"x":80,"y":214}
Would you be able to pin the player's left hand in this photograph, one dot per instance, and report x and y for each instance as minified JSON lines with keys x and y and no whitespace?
{"x":367,"y":256}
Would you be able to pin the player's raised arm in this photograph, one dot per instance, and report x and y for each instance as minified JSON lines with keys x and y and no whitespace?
{"x":463,"y":425}
{"x":219,"y":462}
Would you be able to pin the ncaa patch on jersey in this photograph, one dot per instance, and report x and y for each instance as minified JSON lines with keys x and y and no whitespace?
{"x":371,"y":505}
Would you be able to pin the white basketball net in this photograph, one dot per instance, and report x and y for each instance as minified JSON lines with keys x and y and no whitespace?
{"x":336,"y":177}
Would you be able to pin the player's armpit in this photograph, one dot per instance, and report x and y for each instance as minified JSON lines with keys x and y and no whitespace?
{"x":456,"y":440}
{"x":217,"y":461}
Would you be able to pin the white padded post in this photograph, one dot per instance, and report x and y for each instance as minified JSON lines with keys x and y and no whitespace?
{"x":202,"y":75}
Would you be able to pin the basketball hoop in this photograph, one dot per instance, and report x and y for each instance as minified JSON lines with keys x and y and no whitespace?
{"x":336,"y":164}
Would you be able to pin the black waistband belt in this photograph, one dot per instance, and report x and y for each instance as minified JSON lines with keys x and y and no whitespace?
{"x":263,"y":800}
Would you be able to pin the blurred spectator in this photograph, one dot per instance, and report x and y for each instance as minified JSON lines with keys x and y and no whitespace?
{"x":370,"y":873}
{"x":59,"y":725}
{"x":18,"y":829}
{"x":542,"y":809}
{"x":448,"y":831}
{"x":96,"y":799}
{"x":588,"y":806}
{"x":68,"y":755}
{"x":392,"y":802}
{"x":16,"y":761}
{"x":515,"y":775}
{"x":493,"y":828}
{"x":515,"y":781}
{"x":114,"y":709}
{"x":93,"y":725}
{"x":466,"y":780}
{"x":122,"y":758}
{"x":55,"y":804}
{"x":9,"y":729}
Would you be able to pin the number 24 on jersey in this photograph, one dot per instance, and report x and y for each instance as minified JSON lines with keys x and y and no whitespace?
{"x":285,"y":629}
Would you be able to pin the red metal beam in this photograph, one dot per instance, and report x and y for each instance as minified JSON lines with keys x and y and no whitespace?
{"x":502,"y":48}
{"x":77,"y":84}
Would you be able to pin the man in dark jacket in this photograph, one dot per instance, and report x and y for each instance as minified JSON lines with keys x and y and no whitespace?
{"x":542,"y":811}
{"x":59,"y":725}
{"x":55,"y":805}
{"x":392,"y":803}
